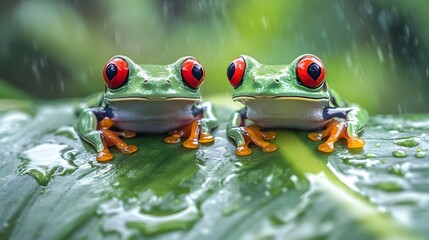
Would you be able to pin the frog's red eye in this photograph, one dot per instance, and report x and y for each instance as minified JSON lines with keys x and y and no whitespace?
{"x":192,"y":73}
{"x":310,"y":71}
{"x":235,"y":71}
{"x":115,"y":73}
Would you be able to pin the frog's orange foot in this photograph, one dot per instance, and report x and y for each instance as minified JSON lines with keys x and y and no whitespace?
{"x":111,"y":138}
{"x":334,"y":131}
{"x":254,"y":134}
{"x":192,"y":132}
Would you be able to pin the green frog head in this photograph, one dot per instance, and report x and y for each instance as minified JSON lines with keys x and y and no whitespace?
{"x":303,"y":79}
{"x":126,"y":80}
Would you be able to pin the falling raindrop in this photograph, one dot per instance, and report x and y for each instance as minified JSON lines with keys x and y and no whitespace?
{"x":380,"y":54}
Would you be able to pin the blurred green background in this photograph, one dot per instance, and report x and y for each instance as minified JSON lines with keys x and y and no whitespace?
{"x":375,"y":52}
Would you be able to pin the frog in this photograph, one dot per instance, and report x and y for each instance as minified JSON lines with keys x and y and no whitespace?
{"x":292,"y":96}
{"x":146,"y":99}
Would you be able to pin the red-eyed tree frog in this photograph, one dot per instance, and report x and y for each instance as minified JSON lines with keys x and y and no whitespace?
{"x":148,"y":99}
{"x":294,"y":96}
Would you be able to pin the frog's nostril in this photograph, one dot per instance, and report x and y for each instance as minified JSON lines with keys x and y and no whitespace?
{"x":145,"y":81}
{"x":168,"y":81}
{"x":276,"y":80}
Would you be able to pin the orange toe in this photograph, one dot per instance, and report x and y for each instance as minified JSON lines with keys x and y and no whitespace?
{"x":355,"y":143}
{"x":326,"y":147}
{"x":269,"y":135}
{"x":128,"y":134}
{"x":206,"y":138}
{"x":104,"y":156}
{"x":175,"y":138}
{"x":243,"y":151}
{"x":129,"y":149}
{"x":190,"y":143}
{"x":269,"y":148}
{"x":315,"y":136}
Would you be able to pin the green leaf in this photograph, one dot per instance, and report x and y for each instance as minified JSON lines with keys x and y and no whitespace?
{"x":52,"y":187}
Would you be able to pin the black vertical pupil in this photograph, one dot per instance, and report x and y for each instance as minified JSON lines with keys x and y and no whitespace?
{"x":111,"y":71}
{"x":230,"y":71}
{"x":197,"y":72}
{"x":314,"y":70}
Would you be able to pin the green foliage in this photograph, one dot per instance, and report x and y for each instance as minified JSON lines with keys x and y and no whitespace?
{"x":52,"y":187}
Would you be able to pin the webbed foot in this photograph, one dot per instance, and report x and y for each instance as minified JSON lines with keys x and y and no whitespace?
{"x":254,"y":134}
{"x":335,"y":130}
{"x":192,"y":132}
{"x":111,"y":138}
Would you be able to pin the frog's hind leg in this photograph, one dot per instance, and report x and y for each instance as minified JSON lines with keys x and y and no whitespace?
{"x":199,"y":131}
{"x":192,"y":141}
{"x":111,"y":138}
{"x":191,"y":131}
{"x":335,"y":130}
{"x":244,"y":150}
{"x":254,"y":134}
{"x":208,"y":123}
{"x":270,"y":135}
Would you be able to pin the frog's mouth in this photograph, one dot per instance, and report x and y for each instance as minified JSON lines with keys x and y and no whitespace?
{"x":292,"y":98}
{"x":155,"y":99}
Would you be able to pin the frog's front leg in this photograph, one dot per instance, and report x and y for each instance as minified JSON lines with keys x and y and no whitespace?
{"x":346,"y":123}
{"x":100,"y":136}
{"x":243,"y":136}
{"x":199,"y":130}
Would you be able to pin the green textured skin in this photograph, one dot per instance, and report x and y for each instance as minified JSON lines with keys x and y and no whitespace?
{"x":163,"y":81}
{"x":259,"y":81}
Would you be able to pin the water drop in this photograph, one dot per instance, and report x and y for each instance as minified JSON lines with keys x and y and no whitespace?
{"x":43,"y":161}
{"x":230,"y":210}
{"x":125,"y":220}
{"x":362,"y":162}
{"x":400,"y":169}
{"x":378,"y":145}
{"x":389,"y":186}
{"x":399,"y":153}
{"x":407,"y":142}
{"x":420,"y":154}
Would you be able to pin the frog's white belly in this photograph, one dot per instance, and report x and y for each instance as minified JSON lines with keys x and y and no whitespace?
{"x":152,"y":116}
{"x":287,"y":113}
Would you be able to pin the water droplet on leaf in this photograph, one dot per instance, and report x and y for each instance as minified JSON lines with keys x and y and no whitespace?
{"x":399,"y":153}
{"x":407,"y":142}
{"x":46,"y":160}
